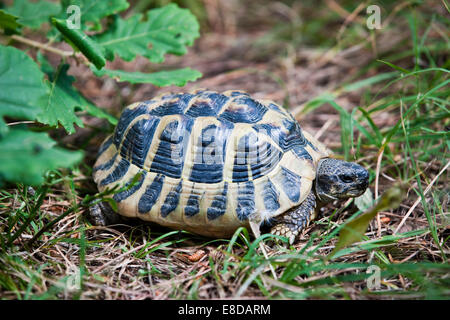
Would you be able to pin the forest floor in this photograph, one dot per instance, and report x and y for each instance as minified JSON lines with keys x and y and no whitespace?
{"x":325,"y":68}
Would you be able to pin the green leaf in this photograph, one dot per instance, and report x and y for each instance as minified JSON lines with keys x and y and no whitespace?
{"x":318,"y":101}
{"x":8,"y":22}
{"x":99,"y":113}
{"x":33,"y":14}
{"x":346,"y":131}
{"x":25,"y":156}
{"x":61,"y":101}
{"x":64,"y":99}
{"x":22,"y":86}
{"x":364,"y":201}
{"x":353,"y":231}
{"x":165,"y":30}
{"x":91,"y":12}
{"x":446,"y":5}
{"x":177,"y":77}
{"x":369,"y":81}
{"x":346,"y":121}
{"x":82,"y":42}
{"x":394,"y":66}
{"x":94,"y":11}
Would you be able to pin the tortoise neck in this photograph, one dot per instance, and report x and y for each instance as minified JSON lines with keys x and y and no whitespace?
{"x":321,"y":196}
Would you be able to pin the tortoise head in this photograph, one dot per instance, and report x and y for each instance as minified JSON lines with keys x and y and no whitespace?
{"x":337,"y":179}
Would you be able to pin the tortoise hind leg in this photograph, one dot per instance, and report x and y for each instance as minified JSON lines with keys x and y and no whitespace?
{"x":101,"y":214}
{"x":292,"y":222}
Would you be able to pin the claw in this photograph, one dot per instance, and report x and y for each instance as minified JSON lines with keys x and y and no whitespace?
{"x":284,"y":231}
{"x":292,"y":239}
{"x":294,"y":221}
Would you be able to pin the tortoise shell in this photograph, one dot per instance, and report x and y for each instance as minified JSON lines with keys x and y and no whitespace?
{"x":208,"y":161}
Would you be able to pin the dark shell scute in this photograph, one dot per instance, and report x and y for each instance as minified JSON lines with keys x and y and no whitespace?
{"x":107,"y":165}
{"x":238,"y":93}
{"x":208,"y":164}
{"x":267,"y":158}
{"x":291,"y":184}
{"x":136,"y":144}
{"x":105,"y":145}
{"x":302,"y":153}
{"x":193,"y":205}
{"x":293,"y":137}
{"x":244,"y":109}
{"x":172,"y":200}
{"x":246,"y":200}
{"x":176,"y":105}
{"x":218,"y":205}
{"x":207,"y":104}
{"x":118,"y":172}
{"x":271,"y":195}
{"x":275,"y":107}
{"x":169,"y":157}
{"x":151,"y":195}
{"x":120,"y":196}
{"x":260,"y":155}
{"x":128,"y":115}
{"x":241,"y":161}
{"x":289,"y":138}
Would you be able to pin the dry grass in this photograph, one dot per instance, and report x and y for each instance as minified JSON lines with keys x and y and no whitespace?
{"x":139,"y":261}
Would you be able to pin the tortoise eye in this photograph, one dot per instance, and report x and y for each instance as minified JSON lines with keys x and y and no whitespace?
{"x":346,"y":178}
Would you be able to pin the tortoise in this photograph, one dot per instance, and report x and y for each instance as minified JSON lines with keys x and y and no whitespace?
{"x":210,"y":162}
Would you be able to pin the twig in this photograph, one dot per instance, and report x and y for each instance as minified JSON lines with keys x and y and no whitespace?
{"x":76,"y":55}
{"x":419,"y":198}
{"x":42,"y":46}
{"x":255,"y":229}
{"x":50,"y":224}
{"x":349,"y":18}
{"x":377,"y":177}
{"x":249,"y":280}
{"x":96,"y":271}
{"x":324,"y":128}
{"x":19,"y":122}
{"x":283,"y":285}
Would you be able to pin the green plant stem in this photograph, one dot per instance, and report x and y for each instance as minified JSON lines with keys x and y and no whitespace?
{"x":42,"y":46}
{"x":49,"y":225}
{"x":30,"y":217}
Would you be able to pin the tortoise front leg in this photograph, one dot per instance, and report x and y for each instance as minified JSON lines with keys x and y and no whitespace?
{"x":292,"y":222}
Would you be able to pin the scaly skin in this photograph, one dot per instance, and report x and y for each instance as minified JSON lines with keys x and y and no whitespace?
{"x":101,"y":214}
{"x":291,"y":223}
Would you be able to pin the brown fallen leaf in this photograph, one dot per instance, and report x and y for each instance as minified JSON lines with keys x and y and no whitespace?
{"x":196,"y":256}
{"x":385,"y":220}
